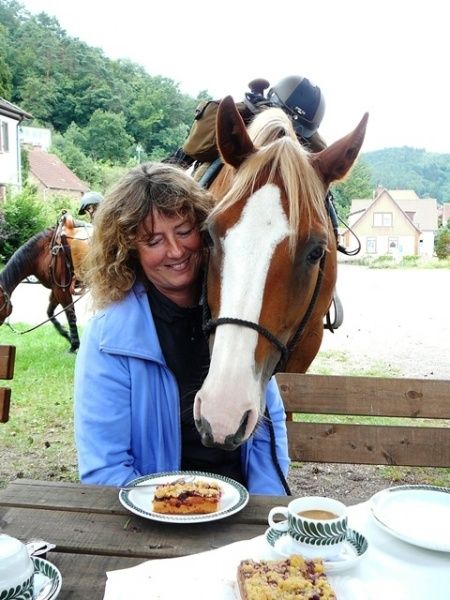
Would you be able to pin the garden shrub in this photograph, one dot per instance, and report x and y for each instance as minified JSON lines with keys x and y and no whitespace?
{"x":442,"y":243}
{"x":22,"y":216}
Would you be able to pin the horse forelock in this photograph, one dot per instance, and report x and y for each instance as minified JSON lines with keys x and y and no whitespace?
{"x":279,"y":159}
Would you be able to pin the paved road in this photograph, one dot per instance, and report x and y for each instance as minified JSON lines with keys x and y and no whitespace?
{"x":395,"y":316}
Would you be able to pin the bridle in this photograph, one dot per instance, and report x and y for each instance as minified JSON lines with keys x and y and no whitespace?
{"x":210,"y":325}
{"x":286,"y":350}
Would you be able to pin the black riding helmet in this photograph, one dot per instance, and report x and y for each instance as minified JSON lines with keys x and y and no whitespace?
{"x":303,"y":101}
{"x":88,"y":199}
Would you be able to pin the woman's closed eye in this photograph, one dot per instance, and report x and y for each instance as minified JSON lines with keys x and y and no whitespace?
{"x":186,"y":231}
{"x":153,"y":241}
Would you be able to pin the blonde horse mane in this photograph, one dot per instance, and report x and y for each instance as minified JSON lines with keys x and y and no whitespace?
{"x":281,"y":155}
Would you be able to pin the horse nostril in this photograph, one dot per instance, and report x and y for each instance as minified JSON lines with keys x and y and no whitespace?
{"x":234,"y":441}
{"x":207,"y":440}
{"x":244,"y":423}
{"x":204,"y":429}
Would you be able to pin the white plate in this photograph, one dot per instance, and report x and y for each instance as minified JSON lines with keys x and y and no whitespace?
{"x":46,"y":575}
{"x":418,"y":514}
{"x":354,"y":549}
{"x":234,"y":497}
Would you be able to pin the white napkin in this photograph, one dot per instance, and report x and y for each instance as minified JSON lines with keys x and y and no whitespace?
{"x":205,"y":575}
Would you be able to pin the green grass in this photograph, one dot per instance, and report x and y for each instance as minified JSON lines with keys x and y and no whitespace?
{"x":37,"y":441}
{"x":388,"y":261}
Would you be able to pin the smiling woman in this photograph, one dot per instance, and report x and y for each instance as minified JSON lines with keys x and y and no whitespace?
{"x":170,"y":254}
{"x":144,"y":355}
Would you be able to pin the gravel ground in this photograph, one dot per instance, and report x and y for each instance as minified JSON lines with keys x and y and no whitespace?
{"x":396,"y":321}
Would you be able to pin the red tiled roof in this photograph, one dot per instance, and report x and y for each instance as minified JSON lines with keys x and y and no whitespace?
{"x":53,"y":173}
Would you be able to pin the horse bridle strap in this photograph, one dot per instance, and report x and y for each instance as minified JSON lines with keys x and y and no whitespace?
{"x":213,"y":323}
{"x":284,"y":349}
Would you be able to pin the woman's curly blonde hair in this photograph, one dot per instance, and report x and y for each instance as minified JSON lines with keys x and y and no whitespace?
{"x":111,"y":266}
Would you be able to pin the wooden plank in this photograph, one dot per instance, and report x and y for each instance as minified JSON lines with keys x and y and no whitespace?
{"x":84,"y":576}
{"x":5,"y":400}
{"x":61,"y":495}
{"x":65,"y":496}
{"x":376,"y":396}
{"x":369,"y":444}
{"x":122,"y":535}
{"x":7,"y":360}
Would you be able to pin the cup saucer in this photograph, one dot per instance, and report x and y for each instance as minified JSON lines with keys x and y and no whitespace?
{"x":354,"y":548}
{"x":47,"y":579}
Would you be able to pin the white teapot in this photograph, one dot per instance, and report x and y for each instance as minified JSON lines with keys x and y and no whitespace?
{"x":16,"y":569}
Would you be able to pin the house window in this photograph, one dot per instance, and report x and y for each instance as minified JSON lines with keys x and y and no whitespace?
{"x":371,"y":245}
{"x":4,"y":137}
{"x":382,"y":219}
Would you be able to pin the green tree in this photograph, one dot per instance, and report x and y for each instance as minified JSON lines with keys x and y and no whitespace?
{"x":358,"y":184}
{"x":106,"y":137}
{"x":72,"y":155}
{"x":442,"y":242}
{"x":5,"y":71}
{"x":160,"y":116}
{"x":5,"y":80}
{"x":39,"y":97}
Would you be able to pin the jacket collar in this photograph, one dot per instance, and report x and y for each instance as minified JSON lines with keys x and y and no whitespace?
{"x":128,"y":327}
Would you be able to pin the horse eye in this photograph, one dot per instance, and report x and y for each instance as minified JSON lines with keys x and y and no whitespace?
{"x":316,"y":254}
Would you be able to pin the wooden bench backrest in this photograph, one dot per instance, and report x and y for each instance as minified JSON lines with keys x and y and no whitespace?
{"x":381,"y":444}
{"x":7,"y":360}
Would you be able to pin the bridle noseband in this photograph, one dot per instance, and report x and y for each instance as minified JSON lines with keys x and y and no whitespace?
{"x":285,"y":350}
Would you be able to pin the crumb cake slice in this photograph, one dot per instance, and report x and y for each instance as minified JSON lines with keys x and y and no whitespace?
{"x":182,"y":498}
{"x":294,"y":578}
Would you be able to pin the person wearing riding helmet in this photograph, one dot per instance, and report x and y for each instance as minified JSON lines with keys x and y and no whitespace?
{"x":297,"y":96}
{"x":89,"y":204}
{"x":304,"y":103}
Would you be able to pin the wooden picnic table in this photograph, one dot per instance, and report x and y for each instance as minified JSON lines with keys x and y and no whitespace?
{"x":94,"y":533}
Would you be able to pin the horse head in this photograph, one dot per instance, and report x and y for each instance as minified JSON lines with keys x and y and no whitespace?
{"x":272,"y":266}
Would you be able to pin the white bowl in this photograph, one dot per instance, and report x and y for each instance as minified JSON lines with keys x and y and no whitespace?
{"x":16,"y":569}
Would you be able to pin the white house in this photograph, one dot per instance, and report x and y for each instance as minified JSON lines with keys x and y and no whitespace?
{"x":10,"y":168}
{"x":395,"y":222}
{"x":36,"y":137}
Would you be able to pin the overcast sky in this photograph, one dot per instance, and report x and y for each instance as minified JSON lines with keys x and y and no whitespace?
{"x":387,"y":57}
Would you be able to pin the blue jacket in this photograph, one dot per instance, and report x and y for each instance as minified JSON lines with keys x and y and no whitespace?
{"x":127,"y":421}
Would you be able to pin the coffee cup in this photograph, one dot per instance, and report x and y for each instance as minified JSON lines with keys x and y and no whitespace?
{"x":316,"y":526}
{"x":16,"y":569}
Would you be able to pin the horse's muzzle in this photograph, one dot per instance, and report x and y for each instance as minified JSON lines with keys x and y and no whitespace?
{"x":231,"y":442}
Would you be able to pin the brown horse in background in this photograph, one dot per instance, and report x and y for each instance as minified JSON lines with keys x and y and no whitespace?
{"x":272,"y":268}
{"x":53,"y":256}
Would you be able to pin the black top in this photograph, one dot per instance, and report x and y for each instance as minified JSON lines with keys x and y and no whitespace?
{"x":186,"y":351}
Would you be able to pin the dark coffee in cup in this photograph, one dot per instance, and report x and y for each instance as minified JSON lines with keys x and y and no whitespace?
{"x":322,"y":515}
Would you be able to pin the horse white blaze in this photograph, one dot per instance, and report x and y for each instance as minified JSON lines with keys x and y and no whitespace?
{"x":233,"y":385}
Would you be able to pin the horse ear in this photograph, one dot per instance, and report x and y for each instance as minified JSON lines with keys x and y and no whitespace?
{"x":233,"y":140}
{"x":335,"y":161}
